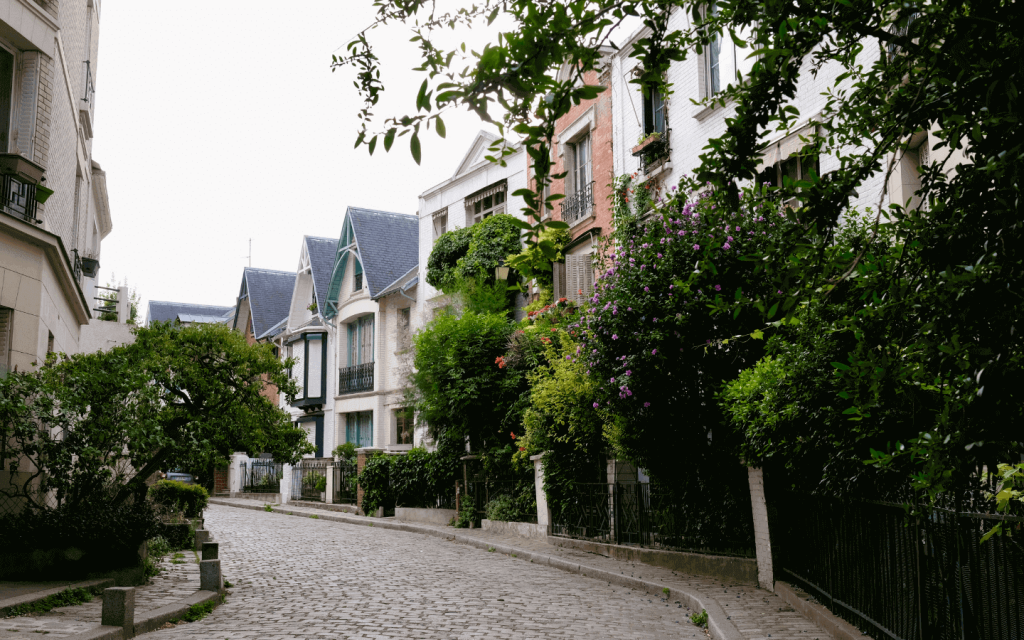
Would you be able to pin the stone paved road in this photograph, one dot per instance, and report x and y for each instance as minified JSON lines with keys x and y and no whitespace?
{"x":307,"y":578}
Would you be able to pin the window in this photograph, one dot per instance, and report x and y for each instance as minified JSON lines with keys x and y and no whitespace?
{"x":579,"y":164}
{"x":788,"y":171}
{"x":724,"y":62}
{"x":360,"y":341}
{"x":310,"y":354}
{"x":357,"y":284}
{"x":486,"y":203}
{"x":654,"y":112}
{"x":404,"y":327}
{"x":49,"y":342}
{"x":359,"y":428}
{"x":314,"y":426}
{"x":404,"y":425}
{"x":6,"y":320}
{"x":440,"y":223}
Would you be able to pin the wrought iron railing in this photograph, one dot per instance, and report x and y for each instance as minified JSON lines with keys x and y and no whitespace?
{"x":309,"y":479}
{"x":579,"y":205}
{"x":18,"y":198}
{"x":642,"y":514}
{"x":261,"y":476}
{"x":482,"y":492}
{"x":344,"y":481}
{"x":355,"y":378}
{"x":904,"y":577}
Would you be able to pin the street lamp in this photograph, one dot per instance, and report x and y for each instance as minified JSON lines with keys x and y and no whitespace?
{"x":501,"y":273}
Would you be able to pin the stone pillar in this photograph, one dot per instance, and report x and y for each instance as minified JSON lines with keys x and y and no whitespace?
{"x":211,"y":551}
{"x":329,"y":497}
{"x":235,"y":472}
{"x":762,"y":537}
{"x":210,"y":578}
{"x":202,"y":536}
{"x":119,"y":609}
{"x":285,"y":486}
{"x":543,"y":512}
{"x":361,"y":456}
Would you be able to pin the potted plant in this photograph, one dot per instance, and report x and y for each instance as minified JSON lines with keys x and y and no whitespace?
{"x":42,"y":193}
{"x":321,"y":486}
{"x":645,"y":141}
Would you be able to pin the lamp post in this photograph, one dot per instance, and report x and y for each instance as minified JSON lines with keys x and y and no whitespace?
{"x":501,"y":273}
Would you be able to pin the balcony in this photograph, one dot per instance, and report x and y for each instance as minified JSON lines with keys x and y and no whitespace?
{"x":577,"y":207}
{"x":18,"y":198}
{"x":355,"y":379}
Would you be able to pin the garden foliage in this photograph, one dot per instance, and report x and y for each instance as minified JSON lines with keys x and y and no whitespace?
{"x":190,"y":499}
{"x":471,"y":252}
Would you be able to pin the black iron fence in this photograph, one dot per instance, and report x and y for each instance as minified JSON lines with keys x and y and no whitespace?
{"x":578,"y":206}
{"x":355,"y":378}
{"x":344,"y":481}
{"x":309,"y":479}
{"x":642,"y":514}
{"x":482,"y":492}
{"x":905,"y":577}
{"x":261,"y":476}
{"x":18,"y":198}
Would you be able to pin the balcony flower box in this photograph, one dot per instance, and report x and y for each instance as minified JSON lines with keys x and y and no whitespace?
{"x":645,"y":144}
{"x":24,"y":169}
{"x":42,"y":193}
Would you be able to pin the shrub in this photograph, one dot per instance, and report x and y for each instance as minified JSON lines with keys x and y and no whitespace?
{"x":346,"y":451}
{"x":467,"y":514}
{"x":471,"y":251}
{"x":191,"y":499}
{"x":375,"y":479}
{"x":448,"y":250}
{"x":158,"y":547}
{"x":502,"y":508}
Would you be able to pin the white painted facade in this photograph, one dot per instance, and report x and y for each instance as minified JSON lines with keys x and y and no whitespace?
{"x":691,"y":126}
{"x":48,"y":75}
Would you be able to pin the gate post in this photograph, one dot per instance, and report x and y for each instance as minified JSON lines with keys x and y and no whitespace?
{"x":235,"y":473}
{"x":543,"y":511}
{"x":329,"y":496}
{"x":285,"y":485}
{"x":762,"y":534}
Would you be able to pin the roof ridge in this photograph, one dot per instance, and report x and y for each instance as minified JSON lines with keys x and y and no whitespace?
{"x":386,"y":213}
{"x":292,"y":273}
{"x":191,"y":304}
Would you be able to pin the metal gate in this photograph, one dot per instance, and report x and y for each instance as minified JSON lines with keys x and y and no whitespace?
{"x":309,"y":479}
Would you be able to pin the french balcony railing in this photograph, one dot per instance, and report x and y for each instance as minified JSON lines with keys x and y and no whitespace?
{"x":577,"y":207}
{"x":356,"y":378}
{"x":18,"y":198}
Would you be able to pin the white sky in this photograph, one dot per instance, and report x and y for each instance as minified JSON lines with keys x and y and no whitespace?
{"x":220,"y":121}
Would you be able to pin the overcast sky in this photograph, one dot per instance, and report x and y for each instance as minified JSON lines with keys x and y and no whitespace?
{"x":221,"y":121}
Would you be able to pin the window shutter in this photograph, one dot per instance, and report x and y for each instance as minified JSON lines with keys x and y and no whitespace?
{"x":350,"y":427}
{"x":587,"y":277}
{"x":314,"y":380}
{"x":558,"y":280}
{"x":570,"y":277}
{"x":6,"y":316}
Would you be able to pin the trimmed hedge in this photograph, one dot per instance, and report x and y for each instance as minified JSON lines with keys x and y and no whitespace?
{"x":189,"y":498}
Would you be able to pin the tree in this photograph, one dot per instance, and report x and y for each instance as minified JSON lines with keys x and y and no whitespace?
{"x":99,"y":424}
{"x":938,"y":308}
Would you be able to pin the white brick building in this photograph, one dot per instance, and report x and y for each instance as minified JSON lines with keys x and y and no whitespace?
{"x":49,"y":252}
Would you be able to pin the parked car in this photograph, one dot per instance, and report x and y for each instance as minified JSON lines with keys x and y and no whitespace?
{"x":180,"y":477}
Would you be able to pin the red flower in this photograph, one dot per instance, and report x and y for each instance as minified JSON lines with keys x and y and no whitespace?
{"x":554,"y":330}
{"x":522,"y":448}
{"x":563,"y":299}
{"x":512,"y":433}
{"x":500,"y":361}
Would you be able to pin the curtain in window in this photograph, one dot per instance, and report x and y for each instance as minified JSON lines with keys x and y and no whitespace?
{"x":359,"y":428}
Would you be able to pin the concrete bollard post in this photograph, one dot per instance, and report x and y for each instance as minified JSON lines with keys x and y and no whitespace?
{"x":202,"y":535}
{"x":119,"y":609}
{"x":210,"y":578}
{"x":762,"y":535}
{"x":211,"y":551}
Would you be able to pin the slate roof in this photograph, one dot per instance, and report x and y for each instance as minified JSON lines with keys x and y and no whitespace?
{"x":321,"y":261}
{"x":388,"y":245}
{"x":161,"y":311}
{"x":270,"y":297}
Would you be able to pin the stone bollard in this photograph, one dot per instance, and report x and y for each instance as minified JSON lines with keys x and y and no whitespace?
{"x":119,"y":609}
{"x":211,"y":551}
{"x":209,"y":576}
{"x":202,"y":535}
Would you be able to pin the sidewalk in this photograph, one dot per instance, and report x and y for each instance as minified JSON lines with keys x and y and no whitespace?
{"x":736,"y":612}
{"x":175,"y":582}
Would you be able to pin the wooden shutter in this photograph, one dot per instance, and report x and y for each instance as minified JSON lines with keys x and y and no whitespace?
{"x":571,"y":277}
{"x":366,"y":339}
{"x":558,"y":280}
{"x":586,"y":276}
{"x":351,"y":423}
{"x":6,"y":317}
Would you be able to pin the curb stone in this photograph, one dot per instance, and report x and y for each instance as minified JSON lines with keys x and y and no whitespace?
{"x":150,"y":621}
{"x":720,"y":627}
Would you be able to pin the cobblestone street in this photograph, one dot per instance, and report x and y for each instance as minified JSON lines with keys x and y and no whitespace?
{"x":309,"y":578}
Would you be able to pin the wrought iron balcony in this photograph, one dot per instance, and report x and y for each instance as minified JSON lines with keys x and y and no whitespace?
{"x":18,"y":198}
{"x":356,"y":378}
{"x":578,"y":206}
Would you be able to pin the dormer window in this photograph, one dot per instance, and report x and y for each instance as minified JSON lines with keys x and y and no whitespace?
{"x":357,"y":284}
{"x":310,"y":353}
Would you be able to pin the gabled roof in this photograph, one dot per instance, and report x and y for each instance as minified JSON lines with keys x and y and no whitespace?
{"x":476,"y":151}
{"x":322,"y":252}
{"x":160,"y":311}
{"x":270,"y":297}
{"x":386,"y":243}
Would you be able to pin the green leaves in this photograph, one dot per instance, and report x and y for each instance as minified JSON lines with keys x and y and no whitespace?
{"x":414,"y":147}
